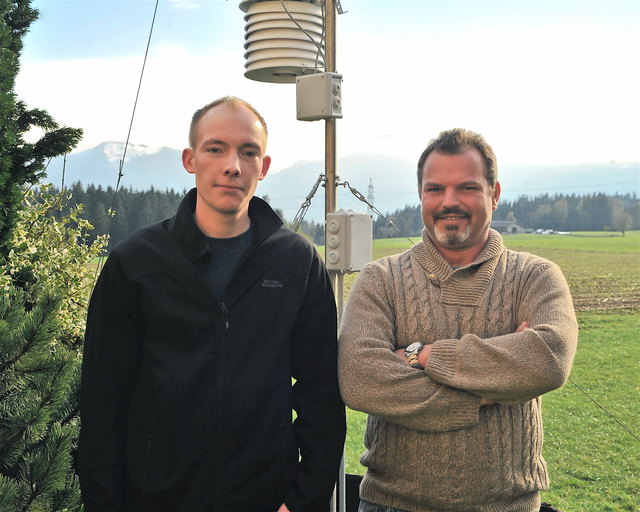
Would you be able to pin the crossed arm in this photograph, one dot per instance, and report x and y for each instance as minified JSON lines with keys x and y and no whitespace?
{"x":423,"y":359}
{"x":461,"y":374}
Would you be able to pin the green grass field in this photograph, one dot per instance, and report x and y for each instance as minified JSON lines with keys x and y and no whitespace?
{"x":593,"y":461}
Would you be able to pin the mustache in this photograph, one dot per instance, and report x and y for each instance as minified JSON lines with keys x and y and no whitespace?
{"x":451,"y":211}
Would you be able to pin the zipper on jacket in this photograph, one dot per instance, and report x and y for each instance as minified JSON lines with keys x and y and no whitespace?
{"x":147,"y":463}
{"x":218,"y":461}
{"x":225,"y":316}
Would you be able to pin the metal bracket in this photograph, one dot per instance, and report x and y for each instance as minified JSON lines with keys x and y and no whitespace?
{"x":339,"y":7}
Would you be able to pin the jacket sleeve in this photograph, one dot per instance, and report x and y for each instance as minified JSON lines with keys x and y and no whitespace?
{"x":373,"y":379}
{"x":109,"y":366}
{"x":320,"y":424}
{"x":516,"y":367}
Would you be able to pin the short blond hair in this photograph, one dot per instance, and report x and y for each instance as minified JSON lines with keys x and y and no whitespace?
{"x":226,"y":100}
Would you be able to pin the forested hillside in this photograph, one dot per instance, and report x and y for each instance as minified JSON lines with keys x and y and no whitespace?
{"x":591,"y":212}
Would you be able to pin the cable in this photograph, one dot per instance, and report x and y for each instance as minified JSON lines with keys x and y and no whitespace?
{"x":607,"y":412}
{"x":126,"y":144}
{"x":302,"y":211}
{"x":318,"y":45}
{"x":359,"y":196}
{"x":364,"y":200}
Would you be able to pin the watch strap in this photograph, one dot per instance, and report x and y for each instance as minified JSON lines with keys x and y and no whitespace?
{"x":414,"y":362}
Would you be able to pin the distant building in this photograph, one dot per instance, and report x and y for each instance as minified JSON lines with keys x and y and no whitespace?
{"x":507,"y":226}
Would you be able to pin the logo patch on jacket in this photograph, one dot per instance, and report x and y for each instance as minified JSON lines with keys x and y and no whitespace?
{"x":271,"y":283}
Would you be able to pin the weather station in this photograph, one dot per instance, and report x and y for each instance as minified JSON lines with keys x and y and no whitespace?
{"x":293,"y":41}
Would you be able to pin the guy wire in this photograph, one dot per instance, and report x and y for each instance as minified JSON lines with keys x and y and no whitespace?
{"x":126,"y":144}
{"x":300,"y":216}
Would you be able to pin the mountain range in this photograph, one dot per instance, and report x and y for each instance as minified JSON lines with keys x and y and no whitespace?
{"x":392,"y":179}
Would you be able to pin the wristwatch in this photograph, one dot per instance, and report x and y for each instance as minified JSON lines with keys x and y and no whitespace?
{"x":411,"y":352}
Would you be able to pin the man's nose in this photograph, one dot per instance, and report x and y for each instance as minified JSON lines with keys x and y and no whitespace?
{"x":232,"y":165}
{"x":450,"y":197}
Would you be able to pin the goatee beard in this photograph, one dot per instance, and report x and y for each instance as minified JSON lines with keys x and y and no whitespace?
{"x":452,"y":236}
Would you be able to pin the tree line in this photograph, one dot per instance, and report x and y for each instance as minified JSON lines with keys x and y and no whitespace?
{"x":558,"y":212}
{"x":132,"y":210}
{"x":120,"y":214}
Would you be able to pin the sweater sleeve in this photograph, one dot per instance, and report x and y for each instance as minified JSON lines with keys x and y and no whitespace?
{"x":373,"y":379}
{"x":320,"y":424}
{"x":516,"y":367}
{"x":108,"y":368}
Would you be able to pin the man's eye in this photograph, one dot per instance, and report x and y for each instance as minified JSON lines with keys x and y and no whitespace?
{"x":432,"y":189}
{"x":251,"y":154}
{"x":214,"y":150}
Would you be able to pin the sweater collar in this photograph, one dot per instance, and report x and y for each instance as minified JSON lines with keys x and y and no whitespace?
{"x":463,"y":285}
{"x":185,"y":232}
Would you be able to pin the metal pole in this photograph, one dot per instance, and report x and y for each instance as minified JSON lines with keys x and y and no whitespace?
{"x":330,"y":124}
{"x":330,"y":202}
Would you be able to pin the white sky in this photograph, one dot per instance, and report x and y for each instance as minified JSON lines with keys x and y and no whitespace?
{"x":545,"y":81}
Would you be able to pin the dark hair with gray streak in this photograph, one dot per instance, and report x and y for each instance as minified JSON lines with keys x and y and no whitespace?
{"x":459,"y":140}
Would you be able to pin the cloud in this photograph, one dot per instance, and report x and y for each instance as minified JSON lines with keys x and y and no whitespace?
{"x":539,"y":94}
{"x":98,"y":95}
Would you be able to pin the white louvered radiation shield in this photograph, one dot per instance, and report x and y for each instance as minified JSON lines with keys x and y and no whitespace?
{"x":283,"y":39}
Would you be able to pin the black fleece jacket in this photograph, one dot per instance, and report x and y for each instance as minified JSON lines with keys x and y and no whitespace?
{"x":186,"y":401}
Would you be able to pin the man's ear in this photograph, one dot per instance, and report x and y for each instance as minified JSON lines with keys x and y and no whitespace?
{"x":187,"y":160}
{"x":496,"y":196}
{"x":266,"y":163}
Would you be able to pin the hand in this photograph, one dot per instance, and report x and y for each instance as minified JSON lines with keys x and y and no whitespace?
{"x":487,"y":401}
{"x":283,"y":508}
{"x":400,"y":352}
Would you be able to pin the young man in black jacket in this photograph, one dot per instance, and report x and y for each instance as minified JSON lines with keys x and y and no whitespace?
{"x":204,"y":332}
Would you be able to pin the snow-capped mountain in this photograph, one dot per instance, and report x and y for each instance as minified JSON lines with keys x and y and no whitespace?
{"x":144,"y":167}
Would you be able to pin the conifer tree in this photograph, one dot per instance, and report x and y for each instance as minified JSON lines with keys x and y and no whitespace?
{"x":21,"y":162}
{"x":39,"y":372}
{"x":38,"y":425}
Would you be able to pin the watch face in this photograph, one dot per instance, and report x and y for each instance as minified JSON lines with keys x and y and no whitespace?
{"x":415,"y":346}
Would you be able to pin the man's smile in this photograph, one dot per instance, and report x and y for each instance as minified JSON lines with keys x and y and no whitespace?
{"x":451,"y":215}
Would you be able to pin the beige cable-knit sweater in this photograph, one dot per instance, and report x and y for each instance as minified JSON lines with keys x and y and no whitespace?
{"x":431,"y":447}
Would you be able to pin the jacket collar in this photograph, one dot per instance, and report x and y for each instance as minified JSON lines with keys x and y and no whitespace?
{"x":184,"y":231}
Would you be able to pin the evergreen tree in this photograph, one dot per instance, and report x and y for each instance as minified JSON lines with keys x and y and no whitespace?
{"x":38,"y":426}
{"x":40,"y":339}
{"x":21,"y":162}
{"x":41,"y":296}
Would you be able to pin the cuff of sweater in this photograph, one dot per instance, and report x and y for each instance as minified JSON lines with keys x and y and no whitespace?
{"x":441,"y":365}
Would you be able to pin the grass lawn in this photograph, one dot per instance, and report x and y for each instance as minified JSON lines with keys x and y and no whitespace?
{"x":593,"y":461}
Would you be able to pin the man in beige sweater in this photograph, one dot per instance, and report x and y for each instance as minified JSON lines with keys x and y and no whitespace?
{"x":449,"y":347}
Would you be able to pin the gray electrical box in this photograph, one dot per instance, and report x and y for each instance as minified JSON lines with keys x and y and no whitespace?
{"x":319,"y":96}
{"x":348,"y":239}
